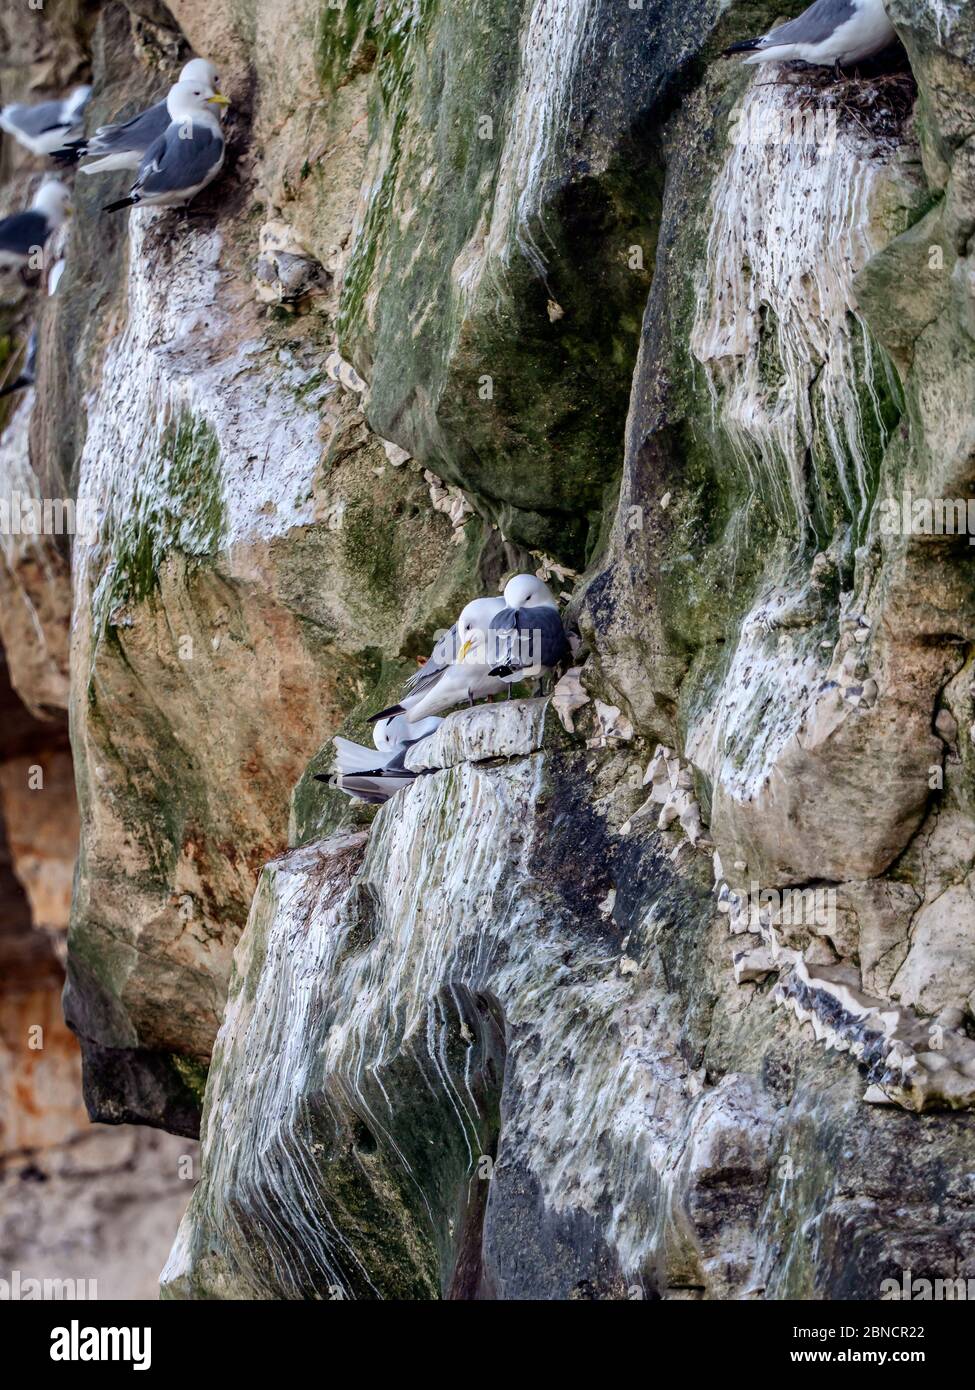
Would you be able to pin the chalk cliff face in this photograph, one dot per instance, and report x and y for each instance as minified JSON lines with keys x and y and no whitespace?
{"x":665,"y":988}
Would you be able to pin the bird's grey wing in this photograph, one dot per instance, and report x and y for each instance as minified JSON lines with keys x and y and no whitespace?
{"x":538,"y":640}
{"x":426,"y":678}
{"x":37,"y":120}
{"x":372,"y":789}
{"x":137,"y":134}
{"x":548,"y":642}
{"x":446,"y":648}
{"x":442,"y":655}
{"x":555,"y":643}
{"x":502,"y":637}
{"x":22,"y":232}
{"x":398,"y":762}
{"x":814,"y":25}
{"x":177,"y":161}
{"x":151,"y":161}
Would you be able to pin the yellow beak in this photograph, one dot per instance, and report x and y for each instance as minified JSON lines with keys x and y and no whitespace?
{"x":218,"y":99}
{"x":465,"y":649}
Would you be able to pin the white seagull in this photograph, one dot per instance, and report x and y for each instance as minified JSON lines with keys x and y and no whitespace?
{"x":465,"y":679}
{"x":180,"y":164}
{"x":122,"y":144}
{"x":368,"y":775}
{"x":24,"y":234}
{"x":831,"y":33}
{"x":527,"y":637}
{"x":44,"y":128}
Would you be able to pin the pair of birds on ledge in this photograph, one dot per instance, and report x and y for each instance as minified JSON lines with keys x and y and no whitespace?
{"x":176,"y":146}
{"x":831,"y":33}
{"x":494,"y":644}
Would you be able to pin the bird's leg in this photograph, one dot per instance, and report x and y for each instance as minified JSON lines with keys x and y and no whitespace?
{"x":837,"y":71}
{"x":508,"y":696}
{"x":470,"y":699}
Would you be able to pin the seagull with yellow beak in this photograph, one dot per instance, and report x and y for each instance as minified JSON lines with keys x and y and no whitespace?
{"x":187,"y":157}
{"x":122,"y":144}
{"x":464,"y":679}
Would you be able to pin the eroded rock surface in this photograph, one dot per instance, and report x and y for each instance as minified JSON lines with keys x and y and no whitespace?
{"x":473,"y":1077}
{"x":594,"y":1007}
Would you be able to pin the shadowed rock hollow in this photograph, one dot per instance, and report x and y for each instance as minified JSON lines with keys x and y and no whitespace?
{"x":672,"y":997}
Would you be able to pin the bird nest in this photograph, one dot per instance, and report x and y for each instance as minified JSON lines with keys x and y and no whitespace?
{"x":876,"y":97}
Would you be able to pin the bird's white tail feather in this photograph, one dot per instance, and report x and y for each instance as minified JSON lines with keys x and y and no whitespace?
{"x":781,"y":54}
{"x":353,"y":757}
{"x":109,"y":162}
{"x":75,"y":103}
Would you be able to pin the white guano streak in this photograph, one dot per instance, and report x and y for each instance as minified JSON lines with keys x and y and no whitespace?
{"x":179,"y":351}
{"x":458,"y":908}
{"x":551,"y":45}
{"x":19,"y":481}
{"x":790,"y":228}
{"x":946,"y":15}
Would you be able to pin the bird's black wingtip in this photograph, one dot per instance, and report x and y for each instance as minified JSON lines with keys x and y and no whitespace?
{"x":323,"y":776}
{"x":745,"y":46}
{"x":116,"y":207}
{"x":501,"y":671}
{"x":67,"y":156}
{"x":386,"y":714}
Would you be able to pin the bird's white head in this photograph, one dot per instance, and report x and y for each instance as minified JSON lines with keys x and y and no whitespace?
{"x":421,"y":728}
{"x":472,"y":629}
{"x":193,"y":101}
{"x":53,"y":199}
{"x":389,"y":735}
{"x":384,"y":734}
{"x":76,"y":102}
{"x":528,"y":591}
{"x":203,"y":71}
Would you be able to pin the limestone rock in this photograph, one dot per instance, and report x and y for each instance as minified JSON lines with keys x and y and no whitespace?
{"x":542,"y":286}
{"x":939,"y":969}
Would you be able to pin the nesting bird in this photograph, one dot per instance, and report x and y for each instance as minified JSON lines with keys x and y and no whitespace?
{"x":24,"y":235}
{"x":527,"y":634}
{"x":186,"y":157}
{"x":46,"y":127}
{"x":831,"y":33}
{"x":476,"y":659}
{"x":451,"y":646}
{"x":122,"y":144}
{"x":375,"y":776}
{"x":465,"y":678}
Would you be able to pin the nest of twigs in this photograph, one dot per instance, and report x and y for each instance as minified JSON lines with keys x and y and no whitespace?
{"x":877,"y":96}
